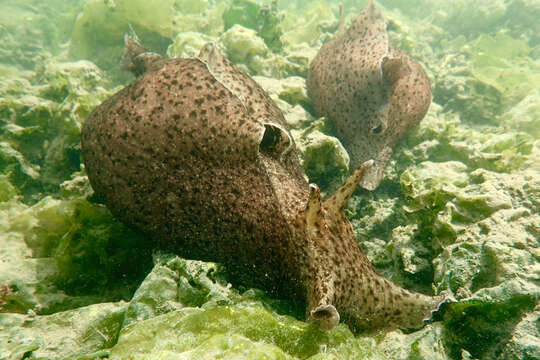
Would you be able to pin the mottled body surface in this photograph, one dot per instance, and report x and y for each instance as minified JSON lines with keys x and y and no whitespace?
{"x":197,"y":156}
{"x":371,"y":91}
{"x":176,"y":154}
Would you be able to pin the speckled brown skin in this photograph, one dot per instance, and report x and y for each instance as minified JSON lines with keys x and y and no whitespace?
{"x":371,"y":91}
{"x":197,"y":156}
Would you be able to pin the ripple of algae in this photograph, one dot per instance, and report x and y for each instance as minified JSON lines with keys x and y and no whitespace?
{"x":458,"y":211}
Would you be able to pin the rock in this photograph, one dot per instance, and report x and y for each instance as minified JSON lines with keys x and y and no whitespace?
{"x":325,"y":161}
{"x":422,"y":345}
{"x":290,"y":95}
{"x":306,"y":28}
{"x":291,"y":89}
{"x":525,"y":115}
{"x":188,"y":44}
{"x":175,"y":283}
{"x":264,"y":19}
{"x":243,"y":43}
{"x":78,"y":333}
{"x":99,"y":30}
{"x":524,"y":341}
{"x":296,"y":116}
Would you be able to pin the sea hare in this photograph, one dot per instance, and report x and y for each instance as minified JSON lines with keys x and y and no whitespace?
{"x":197,"y":156}
{"x":371,"y":91}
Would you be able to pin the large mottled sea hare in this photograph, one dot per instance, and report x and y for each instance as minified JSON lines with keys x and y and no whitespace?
{"x":371,"y":91}
{"x":197,"y":156}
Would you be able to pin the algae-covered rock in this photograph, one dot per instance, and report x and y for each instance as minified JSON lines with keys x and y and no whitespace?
{"x":75,"y":334}
{"x":188,"y":44}
{"x":524,"y":341}
{"x":175,"y":283}
{"x":242,"y":44}
{"x":47,"y":248}
{"x":77,"y":186}
{"x":438,"y":180}
{"x":517,"y":17}
{"x":485,"y":77}
{"x":298,"y":58}
{"x":274,"y":65}
{"x":483,"y":328}
{"x":291,"y":97}
{"x":65,"y":79}
{"x":232,"y":325}
{"x":525,"y":115}
{"x":99,"y":29}
{"x":459,"y":210}
{"x":296,"y":116}
{"x":193,"y":311}
{"x":324,"y":159}
{"x":32,"y":31}
{"x":424,"y":344}
{"x":479,"y":226}
{"x":291,"y":89}
{"x":501,"y":62}
{"x":95,"y":240}
{"x":264,"y":19}
{"x":7,"y":190}
{"x":39,"y":144}
{"x":309,"y":26}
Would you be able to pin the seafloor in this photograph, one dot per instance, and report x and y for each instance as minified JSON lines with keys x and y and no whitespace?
{"x":457,"y":212}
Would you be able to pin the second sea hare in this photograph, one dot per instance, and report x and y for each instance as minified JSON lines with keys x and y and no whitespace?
{"x":371,"y":91}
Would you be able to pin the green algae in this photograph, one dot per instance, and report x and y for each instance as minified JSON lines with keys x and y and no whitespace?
{"x":48,"y":248}
{"x":482,"y":328}
{"x":229,"y":331}
{"x":525,"y":115}
{"x":315,"y":18}
{"x":194,"y":312}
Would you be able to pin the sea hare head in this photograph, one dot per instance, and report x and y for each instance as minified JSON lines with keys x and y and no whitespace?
{"x":342,"y":284}
{"x":370,"y":90}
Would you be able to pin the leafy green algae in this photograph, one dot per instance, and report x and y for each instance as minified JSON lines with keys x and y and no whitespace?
{"x":191,"y":309}
{"x":240,"y":331}
{"x":458,"y":211}
{"x":483,"y":328}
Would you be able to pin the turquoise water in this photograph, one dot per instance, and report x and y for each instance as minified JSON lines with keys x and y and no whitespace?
{"x":457,"y":212}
